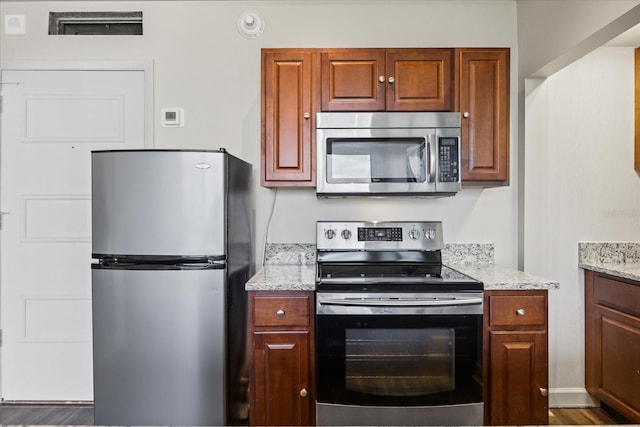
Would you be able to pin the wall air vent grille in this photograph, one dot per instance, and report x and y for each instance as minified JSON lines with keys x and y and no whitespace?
{"x":95,"y":23}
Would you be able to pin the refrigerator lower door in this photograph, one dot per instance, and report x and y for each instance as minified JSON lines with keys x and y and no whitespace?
{"x":159,"y":347}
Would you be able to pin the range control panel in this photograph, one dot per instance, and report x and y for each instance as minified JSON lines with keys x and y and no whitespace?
{"x":370,"y":235}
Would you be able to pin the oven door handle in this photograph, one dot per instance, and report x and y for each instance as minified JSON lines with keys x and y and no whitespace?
{"x":399,"y":302}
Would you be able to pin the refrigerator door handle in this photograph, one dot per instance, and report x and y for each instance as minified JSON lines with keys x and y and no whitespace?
{"x":166,"y":263}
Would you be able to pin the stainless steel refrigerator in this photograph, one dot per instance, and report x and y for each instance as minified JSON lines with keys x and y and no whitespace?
{"x":172,"y":250}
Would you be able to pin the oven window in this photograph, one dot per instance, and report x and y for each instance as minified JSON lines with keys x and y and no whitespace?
{"x":399,"y":362}
{"x":368,"y":160}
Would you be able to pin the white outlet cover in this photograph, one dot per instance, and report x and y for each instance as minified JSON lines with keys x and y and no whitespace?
{"x":15,"y":24}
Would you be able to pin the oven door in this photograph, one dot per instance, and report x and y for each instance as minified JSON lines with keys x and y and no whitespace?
{"x":408,"y":360}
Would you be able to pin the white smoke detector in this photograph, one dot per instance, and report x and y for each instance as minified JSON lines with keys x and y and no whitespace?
{"x":251,"y":24}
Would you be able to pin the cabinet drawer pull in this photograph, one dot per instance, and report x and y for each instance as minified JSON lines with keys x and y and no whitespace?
{"x":392,"y":80}
{"x":544,"y":392}
{"x":520,"y":312}
{"x":381,"y":79}
{"x":306,"y":115}
{"x":303,"y":392}
{"x":280,"y":313}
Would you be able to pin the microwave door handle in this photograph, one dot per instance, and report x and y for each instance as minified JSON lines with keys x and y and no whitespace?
{"x":432,"y":156}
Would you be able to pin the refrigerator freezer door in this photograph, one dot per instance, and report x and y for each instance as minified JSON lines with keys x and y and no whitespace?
{"x":158,"y":202}
{"x":159,"y":347}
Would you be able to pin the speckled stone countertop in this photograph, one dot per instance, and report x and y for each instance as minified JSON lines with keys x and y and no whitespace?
{"x":620,"y":259}
{"x":292,"y":267}
{"x":496,"y":277}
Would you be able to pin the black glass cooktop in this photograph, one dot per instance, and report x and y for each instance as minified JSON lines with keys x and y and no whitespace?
{"x":393,"y":277}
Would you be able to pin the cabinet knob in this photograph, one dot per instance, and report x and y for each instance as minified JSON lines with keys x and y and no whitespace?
{"x":520,"y":312}
{"x":381,"y":79}
{"x":392,"y":80}
{"x":307,"y":116}
{"x":465,"y":114}
{"x":280,"y":313}
{"x":303,"y":392}
{"x":544,"y":392}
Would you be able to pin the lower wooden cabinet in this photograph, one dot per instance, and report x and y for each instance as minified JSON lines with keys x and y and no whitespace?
{"x":612,"y":342}
{"x":282,"y":378}
{"x":516,"y":357}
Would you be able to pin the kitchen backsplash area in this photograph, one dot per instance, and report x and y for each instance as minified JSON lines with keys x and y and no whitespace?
{"x":305,"y":253}
{"x":290,"y":254}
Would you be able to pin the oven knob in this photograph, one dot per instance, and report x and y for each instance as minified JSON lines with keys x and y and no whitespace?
{"x":414,"y":234}
{"x":346,"y":234}
{"x":329,"y":234}
{"x":430,"y":234}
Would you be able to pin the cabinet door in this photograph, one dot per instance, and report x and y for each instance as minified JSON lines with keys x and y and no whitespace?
{"x":518,"y":377}
{"x":419,"y":79}
{"x":282,"y":379}
{"x":483,"y":100}
{"x":617,"y":348}
{"x":288,"y":116}
{"x":353,"y":79}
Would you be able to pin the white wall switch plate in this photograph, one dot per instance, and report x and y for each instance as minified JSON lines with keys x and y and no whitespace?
{"x":15,"y":24}
{"x":173,"y":117}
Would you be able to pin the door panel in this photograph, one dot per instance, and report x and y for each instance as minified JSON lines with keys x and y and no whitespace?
{"x":518,"y":373}
{"x":423,"y":79}
{"x":353,"y":80}
{"x":51,"y":120}
{"x":281,"y":364}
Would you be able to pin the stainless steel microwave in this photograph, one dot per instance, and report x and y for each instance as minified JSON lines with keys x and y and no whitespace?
{"x":388,"y":154}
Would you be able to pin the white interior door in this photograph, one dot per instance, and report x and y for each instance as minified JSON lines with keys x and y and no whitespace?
{"x":51,"y":120}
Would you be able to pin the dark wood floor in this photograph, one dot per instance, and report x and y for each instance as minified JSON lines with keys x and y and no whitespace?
{"x":46,"y":415}
{"x":83,"y":415}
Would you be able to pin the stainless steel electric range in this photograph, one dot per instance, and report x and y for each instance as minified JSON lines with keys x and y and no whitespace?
{"x":398,"y":334}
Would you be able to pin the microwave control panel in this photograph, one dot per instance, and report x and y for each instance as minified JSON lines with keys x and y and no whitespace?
{"x":448,"y":159}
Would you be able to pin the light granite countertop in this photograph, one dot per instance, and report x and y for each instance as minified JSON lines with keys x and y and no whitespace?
{"x":283,"y":278}
{"x":621,"y":259}
{"x":497,"y":277}
{"x":292,"y":267}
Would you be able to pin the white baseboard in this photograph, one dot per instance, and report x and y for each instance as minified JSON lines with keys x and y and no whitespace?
{"x":570,"y":398}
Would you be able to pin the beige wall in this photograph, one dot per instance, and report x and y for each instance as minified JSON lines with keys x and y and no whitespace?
{"x":580,"y":186}
{"x":202,"y":64}
{"x":576,"y":166}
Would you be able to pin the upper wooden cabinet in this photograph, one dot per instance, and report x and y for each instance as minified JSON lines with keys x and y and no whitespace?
{"x":387,"y":79}
{"x":298,"y":83}
{"x":288,"y":93}
{"x":482,"y":97}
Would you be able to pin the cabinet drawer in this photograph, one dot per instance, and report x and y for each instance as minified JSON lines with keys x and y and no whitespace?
{"x":517,"y":310}
{"x":281,"y":311}
{"x":617,"y":294}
